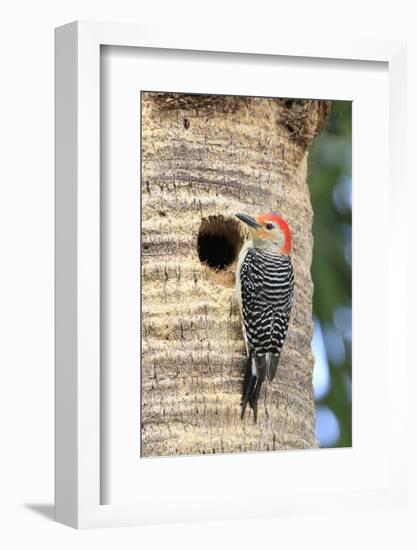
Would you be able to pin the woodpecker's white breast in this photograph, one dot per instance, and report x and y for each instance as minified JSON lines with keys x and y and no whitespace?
{"x":242,"y":255}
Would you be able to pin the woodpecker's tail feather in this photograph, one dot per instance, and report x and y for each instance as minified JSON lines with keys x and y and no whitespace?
{"x":272,"y":365}
{"x":254,"y":376}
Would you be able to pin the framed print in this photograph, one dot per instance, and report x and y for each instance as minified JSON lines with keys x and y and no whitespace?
{"x":221,"y":206}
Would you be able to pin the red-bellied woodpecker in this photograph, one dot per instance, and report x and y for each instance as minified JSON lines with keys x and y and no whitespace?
{"x":265,"y":286}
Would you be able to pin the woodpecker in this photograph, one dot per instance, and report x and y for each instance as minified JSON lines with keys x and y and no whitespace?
{"x":265,"y":287}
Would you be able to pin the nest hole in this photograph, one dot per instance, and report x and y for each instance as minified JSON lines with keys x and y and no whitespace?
{"x":215,"y":250}
{"x":218,"y":244}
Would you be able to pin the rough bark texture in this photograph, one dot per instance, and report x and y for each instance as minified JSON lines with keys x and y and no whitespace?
{"x":204,"y":158}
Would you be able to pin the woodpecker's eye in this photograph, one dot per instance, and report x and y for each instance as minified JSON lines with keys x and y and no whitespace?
{"x":269,"y":226}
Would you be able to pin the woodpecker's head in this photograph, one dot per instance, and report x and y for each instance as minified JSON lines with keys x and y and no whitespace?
{"x":268,"y":231}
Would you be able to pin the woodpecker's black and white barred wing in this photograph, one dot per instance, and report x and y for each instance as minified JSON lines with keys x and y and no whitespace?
{"x":266,"y":286}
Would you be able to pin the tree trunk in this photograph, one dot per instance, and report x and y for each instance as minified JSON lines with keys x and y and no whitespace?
{"x":204,"y":158}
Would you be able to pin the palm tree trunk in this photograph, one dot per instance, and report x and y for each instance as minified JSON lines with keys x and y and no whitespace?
{"x":204,"y":158}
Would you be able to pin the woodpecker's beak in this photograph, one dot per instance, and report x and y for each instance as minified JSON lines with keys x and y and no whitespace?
{"x":248,"y":220}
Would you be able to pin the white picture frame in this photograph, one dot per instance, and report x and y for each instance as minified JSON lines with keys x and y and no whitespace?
{"x":77,"y":240}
